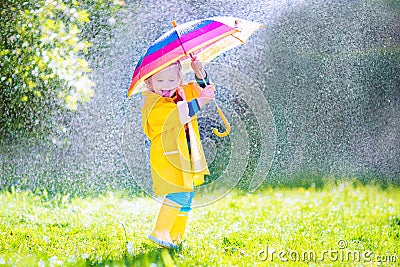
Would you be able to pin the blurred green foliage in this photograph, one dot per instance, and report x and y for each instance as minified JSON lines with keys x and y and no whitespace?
{"x":43,"y":48}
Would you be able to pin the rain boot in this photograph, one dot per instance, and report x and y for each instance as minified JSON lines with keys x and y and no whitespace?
{"x":179,"y":226}
{"x":161,"y":232}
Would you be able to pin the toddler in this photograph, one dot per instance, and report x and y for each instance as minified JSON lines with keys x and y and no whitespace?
{"x":176,"y":155}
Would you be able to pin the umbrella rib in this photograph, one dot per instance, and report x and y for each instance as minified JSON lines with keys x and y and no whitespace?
{"x":180,"y":42}
{"x":243,"y":42}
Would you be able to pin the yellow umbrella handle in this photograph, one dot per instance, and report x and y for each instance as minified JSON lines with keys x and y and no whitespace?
{"x":227,"y":125}
{"x":221,"y":114}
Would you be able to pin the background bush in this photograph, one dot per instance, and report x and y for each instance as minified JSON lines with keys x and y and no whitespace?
{"x":44,"y":70}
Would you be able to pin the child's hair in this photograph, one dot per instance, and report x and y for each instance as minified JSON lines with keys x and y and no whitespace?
{"x":176,"y":63}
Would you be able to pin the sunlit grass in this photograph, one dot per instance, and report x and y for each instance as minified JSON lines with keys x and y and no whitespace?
{"x":37,"y":230}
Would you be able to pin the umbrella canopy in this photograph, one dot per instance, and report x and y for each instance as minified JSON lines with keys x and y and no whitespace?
{"x":206,"y":39}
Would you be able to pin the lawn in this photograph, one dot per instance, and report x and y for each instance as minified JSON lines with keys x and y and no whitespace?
{"x":342,"y":223}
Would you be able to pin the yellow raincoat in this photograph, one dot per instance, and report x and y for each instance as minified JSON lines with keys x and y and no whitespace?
{"x":173,"y":169}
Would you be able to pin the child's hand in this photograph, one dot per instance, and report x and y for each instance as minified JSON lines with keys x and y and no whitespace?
{"x":206,"y":95}
{"x":197,"y":67}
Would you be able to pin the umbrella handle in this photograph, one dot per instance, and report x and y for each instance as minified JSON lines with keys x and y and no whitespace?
{"x":221,"y":114}
{"x":227,"y":125}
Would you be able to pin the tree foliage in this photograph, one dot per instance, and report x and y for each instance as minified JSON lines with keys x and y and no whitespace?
{"x":43,"y":65}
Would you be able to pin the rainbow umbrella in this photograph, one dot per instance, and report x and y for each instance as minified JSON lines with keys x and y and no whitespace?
{"x":206,"y":39}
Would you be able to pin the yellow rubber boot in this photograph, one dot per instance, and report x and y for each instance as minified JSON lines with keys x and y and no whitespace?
{"x":179,"y":227}
{"x":161,"y":232}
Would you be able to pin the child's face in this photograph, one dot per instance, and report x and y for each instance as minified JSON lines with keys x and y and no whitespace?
{"x":166,"y":82}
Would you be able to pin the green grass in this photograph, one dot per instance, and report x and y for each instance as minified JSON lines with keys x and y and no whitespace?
{"x":37,"y":230}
